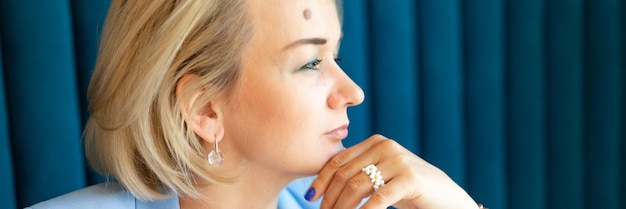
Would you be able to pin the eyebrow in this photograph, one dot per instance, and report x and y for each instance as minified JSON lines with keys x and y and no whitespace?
{"x":305,"y":41}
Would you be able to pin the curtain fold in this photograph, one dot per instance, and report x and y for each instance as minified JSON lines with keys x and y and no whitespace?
{"x":354,"y":52}
{"x":525,"y":99}
{"x":484,"y":76}
{"x":604,"y":66}
{"x":41,"y":93}
{"x":7,"y":194}
{"x":441,"y":81}
{"x":521,"y":102}
{"x":88,"y":19}
{"x":394,"y":71}
{"x":564,"y":109}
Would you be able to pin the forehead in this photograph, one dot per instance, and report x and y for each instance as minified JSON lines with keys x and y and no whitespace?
{"x":283,"y":21}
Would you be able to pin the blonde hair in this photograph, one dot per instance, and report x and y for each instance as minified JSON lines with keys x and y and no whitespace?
{"x":136,"y":133}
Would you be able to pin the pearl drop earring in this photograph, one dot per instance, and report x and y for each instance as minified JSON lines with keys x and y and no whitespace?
{"x":215,"y":156}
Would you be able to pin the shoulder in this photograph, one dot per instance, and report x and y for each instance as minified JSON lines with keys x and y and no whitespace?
{"x":104,"y":195}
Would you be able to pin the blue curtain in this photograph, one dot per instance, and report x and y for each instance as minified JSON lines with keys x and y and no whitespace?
{"x":522,"y":102}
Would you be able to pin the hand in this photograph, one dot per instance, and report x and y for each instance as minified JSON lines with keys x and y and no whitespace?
{"x":410,"y":182}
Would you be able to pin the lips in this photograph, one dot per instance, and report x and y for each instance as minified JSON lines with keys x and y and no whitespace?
{"x":339,"y":133}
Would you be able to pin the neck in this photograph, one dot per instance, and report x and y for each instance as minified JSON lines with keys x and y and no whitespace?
{"x":256,"y":188}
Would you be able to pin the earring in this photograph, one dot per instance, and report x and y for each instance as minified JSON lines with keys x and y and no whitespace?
{"x":215,"y":156}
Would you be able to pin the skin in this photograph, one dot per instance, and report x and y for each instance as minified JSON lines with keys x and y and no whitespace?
{"x":281,"y":111}
{"x":278,"y":120}
{"x":280,"y":123}
{"x":410,"y":182}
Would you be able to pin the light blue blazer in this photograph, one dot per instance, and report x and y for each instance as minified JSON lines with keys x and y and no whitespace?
{"x":112,"y":195}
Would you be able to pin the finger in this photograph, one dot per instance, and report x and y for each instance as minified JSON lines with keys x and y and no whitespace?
{"x":354,"y":191}
{"x":347,"y":180}
{"x":362,"y":185}
{"x":342,"y":177}
{"x":386,"y":196}
{"x":326,"y":175}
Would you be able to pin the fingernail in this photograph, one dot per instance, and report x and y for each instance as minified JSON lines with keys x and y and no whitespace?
{"x":309,"y":194}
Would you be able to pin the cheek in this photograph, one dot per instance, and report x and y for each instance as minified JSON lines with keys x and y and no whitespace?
{"x":282,"y":126}
{"x":270,"y":114}
{"x":280,"y":106}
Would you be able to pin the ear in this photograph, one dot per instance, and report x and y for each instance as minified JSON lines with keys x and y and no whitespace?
{"x":206,"y":121}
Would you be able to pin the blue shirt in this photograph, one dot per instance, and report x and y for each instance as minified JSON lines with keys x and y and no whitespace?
{"x":113,"y":195}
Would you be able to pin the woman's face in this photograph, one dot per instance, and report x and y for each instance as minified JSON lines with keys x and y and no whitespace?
{"x":288,"y":112}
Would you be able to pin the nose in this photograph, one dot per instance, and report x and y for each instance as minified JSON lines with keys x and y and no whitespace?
{"x":345,"y":92}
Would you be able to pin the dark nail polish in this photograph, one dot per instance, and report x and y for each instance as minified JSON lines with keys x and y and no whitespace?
{"x":309,"y":194}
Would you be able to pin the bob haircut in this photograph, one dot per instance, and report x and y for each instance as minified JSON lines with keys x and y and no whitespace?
{"x":136,"y":132}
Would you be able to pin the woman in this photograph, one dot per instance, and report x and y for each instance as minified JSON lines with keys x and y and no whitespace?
{"x":220,"y":104}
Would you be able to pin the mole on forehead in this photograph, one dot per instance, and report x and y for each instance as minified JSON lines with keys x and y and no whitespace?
{"x":307,"y":14}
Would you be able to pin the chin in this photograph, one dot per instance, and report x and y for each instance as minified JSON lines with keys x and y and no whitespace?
{"x":334,"y":150}
{"x":314,"y":164}
{"x":338,"y":147}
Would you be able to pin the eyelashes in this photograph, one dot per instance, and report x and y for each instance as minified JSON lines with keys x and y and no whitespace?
{"x":314,"y":64}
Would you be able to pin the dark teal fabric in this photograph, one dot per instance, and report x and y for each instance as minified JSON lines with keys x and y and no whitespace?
{"x":394,"y":86}
{"x":564,"y":108}
{"x":40,"y":85}
{"x":7,"y":192}
{"x":356,"y":63}
{"x":485,"y":111}
{"x":604,"y":124}
{"x":88,"y":18}
{"x":522,"y":102}
{"x":441,"y":82}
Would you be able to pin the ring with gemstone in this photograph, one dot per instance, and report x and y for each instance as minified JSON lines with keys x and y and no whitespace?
{"x":375,"y":176}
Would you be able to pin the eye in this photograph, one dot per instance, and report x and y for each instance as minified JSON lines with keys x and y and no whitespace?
{"x":311,"y":65}
{"x":338,"y":59}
